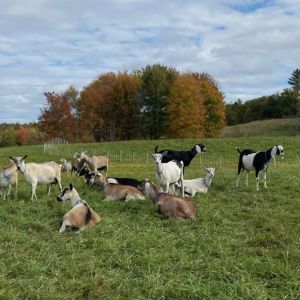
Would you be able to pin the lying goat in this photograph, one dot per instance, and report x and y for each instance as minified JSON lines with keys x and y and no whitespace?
{"x":169,"y":173}
{"x":259,"y":161}
{"x":9,"y":178}
{"x":199,"y":185}
{"x":116,"y":191}
{"x":116,"y":180}
{"x":168,"y":205}
{"x":184,"y":156}
{"x":81,"y":215}
{"x":47,"y":172}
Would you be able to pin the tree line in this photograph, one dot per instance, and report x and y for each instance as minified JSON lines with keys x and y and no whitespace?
{"x":154,"y":102}
{"x":280,"y":105}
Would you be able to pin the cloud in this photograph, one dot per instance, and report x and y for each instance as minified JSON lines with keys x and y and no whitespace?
{"x":250,"y":49}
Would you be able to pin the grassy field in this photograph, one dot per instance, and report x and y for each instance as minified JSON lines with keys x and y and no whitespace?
{"x":243,"y":245}
{"x":274,"y":127}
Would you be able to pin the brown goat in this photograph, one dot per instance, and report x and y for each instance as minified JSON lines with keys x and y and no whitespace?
{"x":115,"y":191}
{"x":168,"y":205}
{"x":81,"y":215}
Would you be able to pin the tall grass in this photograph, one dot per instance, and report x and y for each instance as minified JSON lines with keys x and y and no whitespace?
{"x":243,"y":245}
{"x":274,"y":127}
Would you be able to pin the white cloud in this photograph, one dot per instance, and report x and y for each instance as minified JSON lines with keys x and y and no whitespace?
{"x":46,"y":45}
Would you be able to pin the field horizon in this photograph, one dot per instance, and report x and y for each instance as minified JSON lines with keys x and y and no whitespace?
{"x":242,"y":245}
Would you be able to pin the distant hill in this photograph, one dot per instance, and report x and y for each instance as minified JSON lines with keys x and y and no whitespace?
{"x":273,"y":127}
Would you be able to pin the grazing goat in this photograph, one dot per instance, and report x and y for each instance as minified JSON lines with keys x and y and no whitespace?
{"x":259,"y":161}
{"x":81,"y":215}
{"x":9,"y":178}
{"x":199,"y":185}
{"x":117,"y":180}
{"x":168,"y":205}
{"x":184,"y":156}
{"x":169,"y":173}
{"x":47,"y":172}
{"x":94,"y":163}
{"x":114,"y":191}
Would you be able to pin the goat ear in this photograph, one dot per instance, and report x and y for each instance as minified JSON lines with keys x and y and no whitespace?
{"x":164,"y":153}
{"x":11,"y":158}
{"x":24,"y":157}
{"x":71,"y":186}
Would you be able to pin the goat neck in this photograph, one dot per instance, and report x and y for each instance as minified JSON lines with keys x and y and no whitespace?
{"x":75,"y":198}
{"x":152,"y":192}
{"x":207,"y":180}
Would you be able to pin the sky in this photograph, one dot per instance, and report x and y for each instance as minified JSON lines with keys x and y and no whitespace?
{"x":249,"y":47}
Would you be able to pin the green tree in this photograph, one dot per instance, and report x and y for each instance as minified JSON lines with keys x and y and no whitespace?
{"x":156,"y":82}
{"x":294,"y":81}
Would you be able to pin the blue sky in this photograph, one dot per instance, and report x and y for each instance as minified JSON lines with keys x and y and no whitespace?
{"x":250,"y":47}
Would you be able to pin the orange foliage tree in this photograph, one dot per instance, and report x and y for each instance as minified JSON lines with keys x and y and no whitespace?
{"x":108,"y":108}
{"x":213,"y":103}
{"x":185,"y":110}
{"x":56,"y":118}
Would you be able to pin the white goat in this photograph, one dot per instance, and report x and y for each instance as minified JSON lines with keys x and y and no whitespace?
{"x":67,"y":166}
{"x":48,"y":172}
{"x":95,"y":163}
{"x":81,"y":215}
{"x":115,"y":191}
{"x":169,"y":173}
{"x":8,"y":178}
{"x":199,"y":185}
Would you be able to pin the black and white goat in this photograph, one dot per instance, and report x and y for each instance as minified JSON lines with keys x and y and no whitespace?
{"x":184,"y":156}
{"x":258,"y":161}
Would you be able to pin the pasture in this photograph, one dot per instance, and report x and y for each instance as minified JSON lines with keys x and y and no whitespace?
{"x":243,"y":244}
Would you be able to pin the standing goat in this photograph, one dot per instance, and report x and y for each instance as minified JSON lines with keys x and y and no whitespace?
{"x":199,"y":185}
{"x":169,"y":173}
{"x":116,"y":191}
{"x":81,"y":215}
{"x":9,"y":177}
{"x":95,"y":163}
{"x":259,"y":161}
{"x":168,"y":205}
{"x":47,"y":172}
{"x":184,"y":156}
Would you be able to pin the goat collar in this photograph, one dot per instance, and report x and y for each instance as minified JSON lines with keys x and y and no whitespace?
{"x":78,"y":201}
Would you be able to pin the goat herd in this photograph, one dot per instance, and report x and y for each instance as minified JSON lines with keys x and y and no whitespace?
{"x":168,"y":196}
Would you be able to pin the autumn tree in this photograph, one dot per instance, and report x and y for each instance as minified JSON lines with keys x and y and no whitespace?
{"x":185,"y":109}
{"x":56,"y":118}
{"x":213,"y":103}
{"x":22,"y":135}
{"x":157,"y":80}
{"x":108,"y":108}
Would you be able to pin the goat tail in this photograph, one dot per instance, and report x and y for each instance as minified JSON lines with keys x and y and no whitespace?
{"x":88,"y":215}
{"x":156,"y":149}
{"x":238,"y":150}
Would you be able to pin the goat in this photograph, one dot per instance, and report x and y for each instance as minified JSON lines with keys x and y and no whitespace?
{"x":169,"y":173}
{"x":95,"y":163}
{"x":249,"y":160}
{"x":66,"y":165}
{"x":81,"y":215}
{"x":117,"y":180}
{"x":47,"y":172}
{"x":114,"y":191}
{"x":199,"y":185}
{"x":8,"y":178}
{"x":168,"y":205}
{"x":184,"y":156}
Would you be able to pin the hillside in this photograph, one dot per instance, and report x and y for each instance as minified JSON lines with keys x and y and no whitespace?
{"x":274,"y":127}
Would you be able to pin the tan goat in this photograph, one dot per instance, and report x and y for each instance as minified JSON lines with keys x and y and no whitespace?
{"x":168,"y":205}
{"x":115,"y":191}
{"x":95,"y":163}
{"x":81,"y":215}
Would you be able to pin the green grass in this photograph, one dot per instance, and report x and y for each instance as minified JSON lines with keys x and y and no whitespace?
{"x":274,"y":127}
{"x":243,"y":245}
